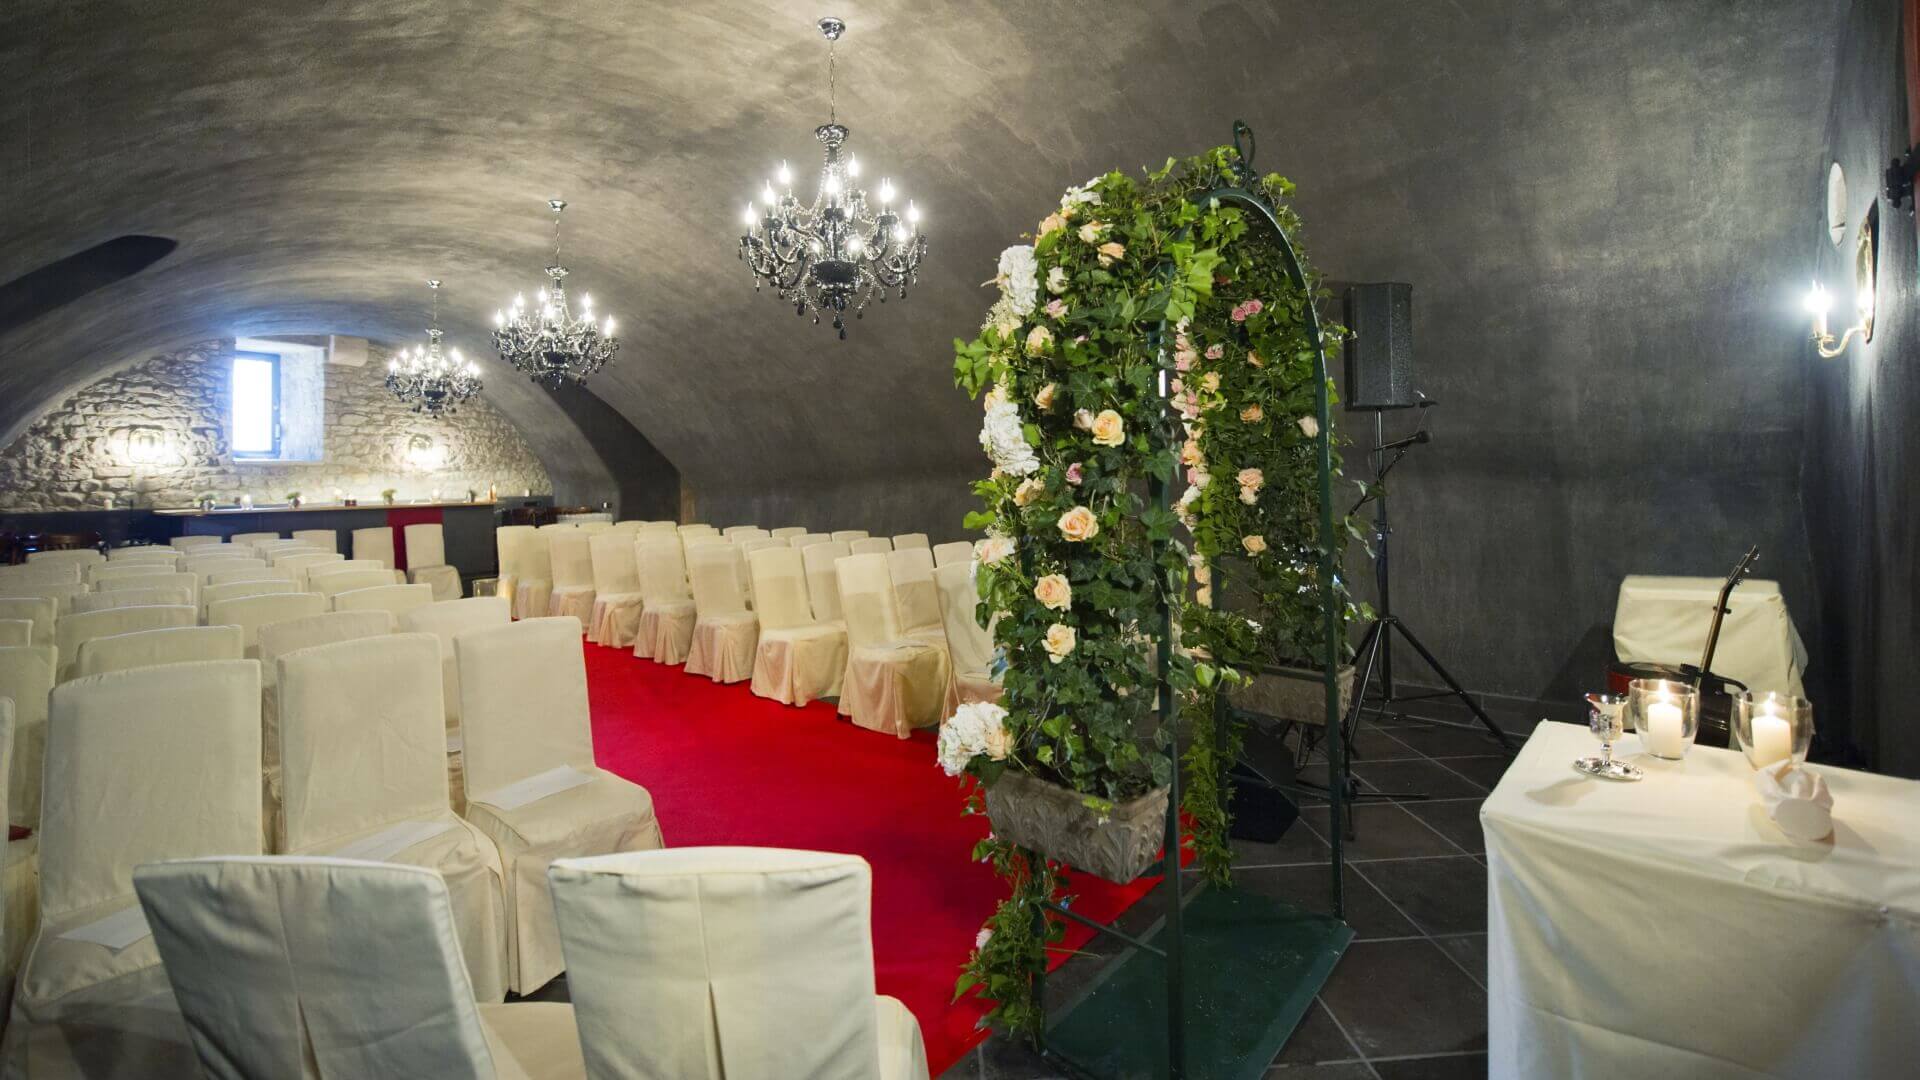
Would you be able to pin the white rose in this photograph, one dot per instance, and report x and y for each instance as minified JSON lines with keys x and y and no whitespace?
{"x":994,"y":549}
{"x":1057,"y":280}
{"x":1309,"y":426}
{"x":1018,"y":278}
{"x":1254,"y":544}
{"x":1060,"y":642}
{"x":1039,"y":340}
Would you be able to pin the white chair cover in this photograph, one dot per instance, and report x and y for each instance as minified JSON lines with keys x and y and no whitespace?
{"x":732,"y":531}
{"x":205,"y":570}
{"x":533,"y":573}
{"x":156,"y":763}
{"x":151,"y":648}
{"x":334,"y":583}
{"x":969,"y":644}
{"x":849,"y":535}
{"x":903,"y":541}
{"x":115,"y":571}
{"x":20,"y":880}
{"x":363,"y":757}
{"x":916,"y":595}
{"x":312,"y":967}
{"x":246,"y":573}
{"x":250,"y":612}
{"x":303,"y":564}
{"x":321,"y":570}
{"x":725,"y":632}
{"x":72,"y":631}
{"x":27,"y":677}
{"x":788,"y":532}
{"x":233,"y":590}
{"x":398,"y":599}
{"x":523,"y":711}
{"x":165,"y":555}
{"x":694,"y":526}
{"x":617,"y":600}
{"x":201,"y":541}
{"x":871,"y":546}
{"x":444,"y":620}
{"x":16,"y":632}
{"x":807,"y":540}
{"x":798,"y":659}
{"x":427,"y":560}
{"x":248,"y":539}
{"x":131,"y":597}
{"x":894,"y":683}
{"x":324,"y":539}
{"x":33,"y":573}
{"x":61,"y":594}
{"x":571,"y":555}
{"x":823,"y":583}
{"x":79,"y":556}
{"x":283,"y":636}
{"x":38,"y":611}
{"x":666,"y":620}
{"x":375,"y":544}
{"x":957,"y":551}
{"x":507,"y":540}
{"x":717,"y":963}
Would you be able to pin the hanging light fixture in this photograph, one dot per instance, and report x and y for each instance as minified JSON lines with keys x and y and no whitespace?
{"x":836,"y":253}
{"x":433,"y":382}
{"x":547,"y":341}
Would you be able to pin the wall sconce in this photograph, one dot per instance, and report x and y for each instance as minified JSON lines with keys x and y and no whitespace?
{"x":1819,"y":303}
{"x":424,"y":453}
{"x":144,"y":446}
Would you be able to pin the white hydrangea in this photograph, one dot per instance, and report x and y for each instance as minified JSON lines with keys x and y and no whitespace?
{"x":975,"y":728}
{"x":1019,"y":278}
{"x":1002,"y":437}
{"x":1078,"y":195}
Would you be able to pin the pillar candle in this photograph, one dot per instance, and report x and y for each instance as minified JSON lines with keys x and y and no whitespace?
{"x":1772,"y":739}
{"x":1666,"y":732}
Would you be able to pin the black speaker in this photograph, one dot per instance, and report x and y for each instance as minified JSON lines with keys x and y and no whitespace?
{"x":1380,"y":356}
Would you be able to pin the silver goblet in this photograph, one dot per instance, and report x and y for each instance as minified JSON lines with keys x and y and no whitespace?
{"x":1607,"y":716}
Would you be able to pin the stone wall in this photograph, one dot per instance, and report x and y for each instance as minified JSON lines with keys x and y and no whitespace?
{"x":169,"y":412}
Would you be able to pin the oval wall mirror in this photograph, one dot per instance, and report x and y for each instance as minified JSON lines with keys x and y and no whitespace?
{"x":1836,"y":204}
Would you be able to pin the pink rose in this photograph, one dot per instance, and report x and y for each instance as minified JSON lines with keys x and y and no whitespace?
{"x":1216,"y":351}
{"x":1254,"y":307}
{"x":1073,"y":474}
{"x":1056,"y":308}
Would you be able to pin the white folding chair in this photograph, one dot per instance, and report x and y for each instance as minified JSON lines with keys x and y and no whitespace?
{"x":72,"y":631}
{"x":363,"y":775}
{"x":532,"y":784}
{"x":570,"y":552}
{"x":295,"y":966}
{"x":798,"y":659}
{"x":957,"y":551}
{"x":251,"y":611}
{"x":969,"y":645}
{"x":894,"y":683}
{"x":709,"y":963}
{"x":668,"y":614}
{"x":39,"y":611}
{"x":617,"y":600}
{"x":151,"y":648}
{"x":27,"y":674}
{"x":427,"y":560}
{"x":374,"y":544}
{"x":724,"y":631}
{"x":904,"y":541}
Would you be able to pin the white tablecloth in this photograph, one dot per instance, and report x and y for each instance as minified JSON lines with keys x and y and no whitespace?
{"x":1664,"y":620}
{"x":1666,"y":928}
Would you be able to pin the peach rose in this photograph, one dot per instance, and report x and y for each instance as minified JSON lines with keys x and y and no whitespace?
{"x":1250,"y":478}
{"x":1108,"y":429}
{"x":1054,"y":592}
{"x":1059,"y":642}
{"x":1254,"y":544}
{"x":1029,"y":491}
{"x":1203,"y":596}
{"x":1079,"y":525}
{"x":1111,"y":253}
{"x":1252,"y":414}
{"x":1053,"y":223}
{"x":1190,"y":453}
{"x":1044,"y":399}
{"x":1091,"y":231}
{"x":994,"y":549}
{"x":1039,"y":341}
{"x":1211,"y":383}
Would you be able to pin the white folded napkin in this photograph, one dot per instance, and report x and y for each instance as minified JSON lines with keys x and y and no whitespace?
{"x":1797,"y":800}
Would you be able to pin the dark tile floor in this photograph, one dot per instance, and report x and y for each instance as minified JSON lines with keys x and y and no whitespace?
{"x":1408,"y":1000}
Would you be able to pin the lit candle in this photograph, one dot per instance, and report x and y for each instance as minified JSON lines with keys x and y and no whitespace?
{"x":1666,"y":733}
{"x":1772,"y":737}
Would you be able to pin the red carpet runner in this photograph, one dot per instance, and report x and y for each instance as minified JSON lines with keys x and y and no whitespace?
{"x":726,"y":767}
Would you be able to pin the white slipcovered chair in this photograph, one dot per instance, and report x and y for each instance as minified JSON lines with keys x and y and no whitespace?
{"x":872,"y":545}
{"x":427,"y":560}
{"x":823,"y":582}
{"x":82,"y":557}
{"x":363,"y":775}
{"x":205,"y":570}
{"x":445,"y":620}
{"x":248,"y":539}
{"x":668,"y":614}
{"x":156,"y":763}
{"x":27,"y":675}
{"x":144,"y":554}
{"x":73,"y":631}
{"x":323,"y":569}
{"x":151,"y":648}
{"x":807,"y":540}
{"x":96,"y":573}
{"x":720,"y":963}
{"x":969,"y":645}
{"x":956,"y":551}
{"x":732,"y":531}
{"x":617,"y":600}
{"x":894,"y":683}
{"x":32,"y":573}
{"x":251,"y":612}
{"x":916,"y":595}
{"x":570,"y":552}
{"x":38,"y":611}
{"x":238,"y":590}
{"x":61,"y":594}
{"x":375,"y":544}
{"x":398,"y":599}
{"x":323,"y":539}
{"x":724,"y":631}
{"x":227,"y":576}
{"x":694,"y":526}
{"x":533,"y":574}
{"x":16,"y":632}
{"x":290,"y":966}
{"x":132,"y":596}
{"x":848,"y":535}
{"x":193,"y":542}
{"x":335,"y":582}
{"x":175,"y":579}
{"x":532,"y":784}
{"x":20,"y":880}
{"x":747,"y":532}
{"x":798,"y":659}
{"x":507,"y":541}
{"x":302,"y":564}
{"x":904,"y":541}
{"x":276,"y":639}
{"x":788,"y":532}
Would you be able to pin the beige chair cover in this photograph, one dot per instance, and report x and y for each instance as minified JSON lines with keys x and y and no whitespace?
{"x":182,"y":580}
{"x":848,"y":536}
{"x":299,"y":561}
{"x":957,"y":551}
{"x":916,"y":595}
{"x":823,"y":584}
{"x":524,"y":715}
{"x":788,"y":532}
{"x":694,"y":526}
{"x":871,"y":546}
{"x":571,"y":554}
{"x":144,"y":554}
{"x":725,"y":632}
{"x":20,"y":880}
{"x":903,"y":541}
{"x":721,"y":963}
{"x":61,"y":594}
{"x":363,"y":761}
{"x":72,"y":631}
{"x":427,"y":560}
{"x":116,"y":571}
{"x":202,"y":541}
{"x":533,"y":574}
{"x":26,"y":677}
{"x":250,"y":613}
{"x":798,"y":659}
{"x":310,"y":967}
{"x":324,"y":539}
{"x":375,"y":544}
{"x":247,"y":539}
{"x":235,"y":590}
{"x":60,"y":573}
{"x":82,"y":557}
{"x":894,"y":683}
{"x":205,"y":570}
{"x":617,"y":600}
{"x":151,"y":648}
{"x":969,"y":644}
{"x":38,"y":611}
{"x":445,"y":620}
{"x":16,"y":632}
{"x":315,"y":573}
{"x":246,"y":573}
{"x":747,"y":532}
{"x":666,"y":620}
{"x":398,"y":599}
{"x":807,"y":540}
{"x":506,"y":543}
{"x":732,"y":531}
{"x":336,"y":582}
{"x":157,"y":763}
{"x":141,"y":597}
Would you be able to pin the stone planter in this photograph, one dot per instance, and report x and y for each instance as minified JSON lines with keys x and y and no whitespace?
{"x":1291,"y":693}
{"x":1053,"y":820}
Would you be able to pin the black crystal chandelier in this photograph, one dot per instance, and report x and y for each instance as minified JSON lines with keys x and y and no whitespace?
{"x":547,"y":341}
{"x":435,"y":383}
{"x":836,"y":254}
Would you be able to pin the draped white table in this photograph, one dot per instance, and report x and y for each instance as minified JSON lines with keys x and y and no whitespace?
{"x":1664,"y":620}
{"x":1666,"y":928}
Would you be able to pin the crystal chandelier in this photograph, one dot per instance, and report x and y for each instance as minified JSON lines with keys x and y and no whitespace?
{"x":834,"y":254}
{"x":547,"y":341}
{"x":433,"y":382}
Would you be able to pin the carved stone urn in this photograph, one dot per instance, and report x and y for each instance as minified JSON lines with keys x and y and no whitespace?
{"x":1056,"y":822}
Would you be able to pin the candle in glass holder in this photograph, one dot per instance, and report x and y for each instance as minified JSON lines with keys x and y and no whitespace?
{"x":1772,"y":737}
{"x":1666,"y":728}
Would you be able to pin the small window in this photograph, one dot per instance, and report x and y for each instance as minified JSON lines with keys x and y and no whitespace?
{"x":255,"y":430}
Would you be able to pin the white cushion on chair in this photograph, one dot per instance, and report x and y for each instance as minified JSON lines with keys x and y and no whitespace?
{"x":709,"y":963}
{"x":27,"y":675}
{"x":894,"y":683}
{"x":151,"y":648}
{"x":375,"y":544}
{"x":724,"y":632}
{"x":523,"y":711}
{"x":798,"y":659}
{"x":667,"y":615}
{"x":72,"y":631}
{"x":617,"y":600}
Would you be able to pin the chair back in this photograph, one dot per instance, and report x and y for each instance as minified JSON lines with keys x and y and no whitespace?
{"x":779,"y":588}
{"x":26,"y":677}
{"x":398,"y":599}
{"x":117,"y":571}
{"x":788,"y":532}
{"x":748,"y":532}
{"x":340,"y":581}
{"x":506,"y":542}
{"x":970,"y":643}
{"x":913,"y":588}
{"x":79,"y":556}
{"x":151,"y":648}
{"x":663,"y":570}
{"x":733,"y":530}
{"x":61,"y":594}
{"x":823,"y":582}
{"x":227,"y":577}
{"x":849,"y":535}
{"x":38,"y":611}
{"x":447,"y":619}
{"x":248,"y":539}
{"x":323,"y":569}
{"x":523,"y":702}
{"x":16,"y":632}
{"x":363,"y":737}
{"x":956,"y":551}
{"x":807,"y":540}
{"x":205,"y":569}
{"x":714,"y":572}
{"x":290,"y":966}
{"x":614,"y":569}
{"x":165,"y":555}
{"x":288,"y":635}
{"x":154,"y":763}
{"x":251,"y":612}
{"x":374,"y":544}
{"x":233,"y":590}
{"x":201,"y":541}
{"x":32,"y":573}
{"x":131,"y":597}
{"x":301,"y":561}
{"x":867,"y":601}
{"x":571,"y":551}
{"x":533,"y":556}
{"x":683,"y":958}
{"x":426,"y":544}
{"x":871,"y":545}
{"x":324,"y":539}
{"x":72,"y":631}
{"x":903,"y":541}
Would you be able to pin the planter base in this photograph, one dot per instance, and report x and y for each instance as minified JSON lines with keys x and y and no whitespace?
{"x":1295,"y":694}
{"x":1056,"y":822}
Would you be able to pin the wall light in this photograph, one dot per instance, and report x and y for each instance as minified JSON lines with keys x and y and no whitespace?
{"x":424,"y":453}
{"x":1819,"y":303}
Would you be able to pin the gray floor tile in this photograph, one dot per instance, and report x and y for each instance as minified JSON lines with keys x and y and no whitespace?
{"x":1406,"y":997}
{"x":1457,"y":820}
{"x":1317,"y":1039}
{"x":1420,"y":776}
{"x":1471,"y":951}
{"x":1381,"y":831}
{"x":1368,"y":912}
{"x":1484,"y":771}
{"x":1441,"y":896}
{"x":1451,"y":1067}
{"x":1353,"y":1070}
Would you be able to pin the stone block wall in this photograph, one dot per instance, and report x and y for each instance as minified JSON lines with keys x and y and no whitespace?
{"x":171,"y":411}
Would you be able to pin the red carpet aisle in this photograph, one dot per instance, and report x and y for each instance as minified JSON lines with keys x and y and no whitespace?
{"x":726,"y":767}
